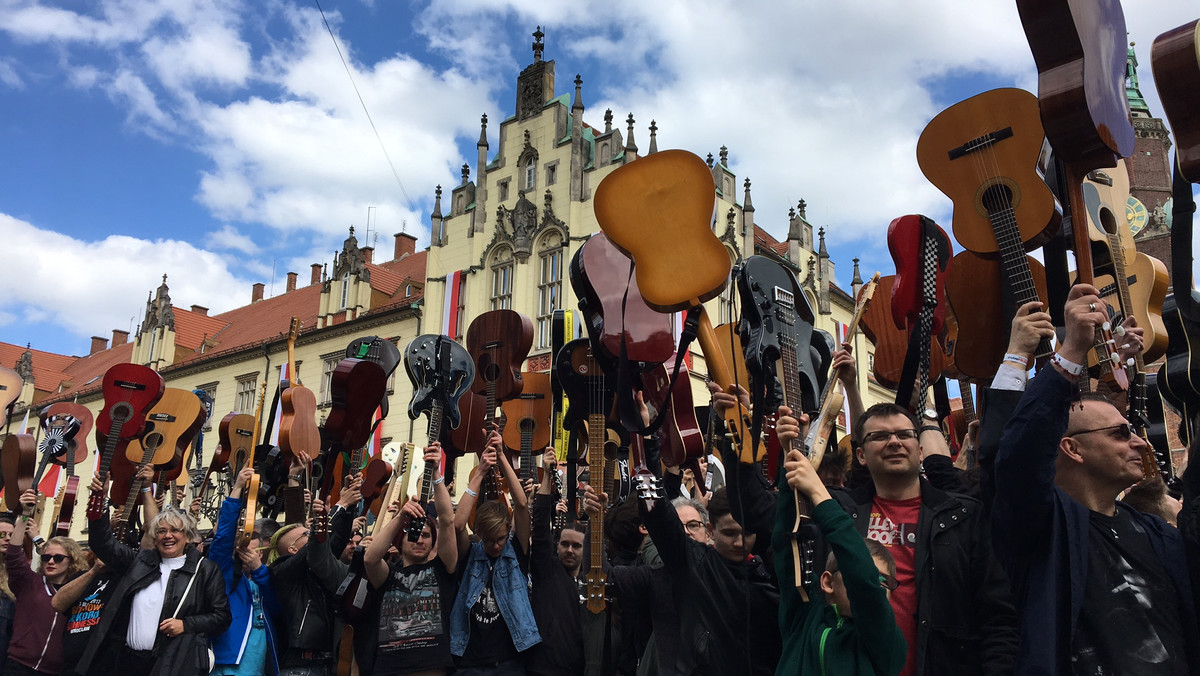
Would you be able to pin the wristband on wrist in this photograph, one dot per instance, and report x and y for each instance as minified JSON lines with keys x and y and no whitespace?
{"x":439,"y":480}
{"x":471,"y":493}
{"x":145,"y":490}
{"x":1016,"y":359}
{"x":1069,"y":367}
{"x":931,"y":428}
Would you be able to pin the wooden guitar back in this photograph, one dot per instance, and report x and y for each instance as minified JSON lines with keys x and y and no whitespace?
{"x":1175,"y":59}
{"x":658,"y":210}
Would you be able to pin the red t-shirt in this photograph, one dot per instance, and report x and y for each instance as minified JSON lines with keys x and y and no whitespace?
{"x":894,"y":525}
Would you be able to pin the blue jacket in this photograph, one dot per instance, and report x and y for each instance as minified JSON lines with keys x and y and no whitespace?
{"x":229,"y":645}
{"x":512,"y":595}
{"x":1041,"y":533}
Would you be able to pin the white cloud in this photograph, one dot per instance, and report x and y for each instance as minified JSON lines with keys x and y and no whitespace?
{"x":208,"y":54}
{"x":73,"y":300}
{"x":143,"y":104}
{"x":9,"y":75}
{"x":229,"y":238}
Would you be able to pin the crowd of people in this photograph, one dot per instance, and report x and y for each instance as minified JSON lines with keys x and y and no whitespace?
{"x":892,"y":561}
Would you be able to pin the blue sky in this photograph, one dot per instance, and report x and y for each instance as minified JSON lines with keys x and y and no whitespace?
{"x":218,"y":140}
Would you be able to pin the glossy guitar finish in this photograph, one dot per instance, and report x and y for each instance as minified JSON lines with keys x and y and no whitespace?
{"x":65,"y":429}
{"x":176,"y":418}
{"x":600,"y":277}
{"x":236,"y":449}
{"x":18,"y":462}
{"x":356,"y":388}
{"x":1179,"y":377}
{"x":527,"y":420}
{"x":777,"y":326}
{"x":381,"y":351}
{"x":1148,"y":282}
{"x":680,"y":439}
{"x":911,"y":240}
{"x":130,"y":391}
{"x":10,"y":387}
{"x":298,"y":432}
{"x":1175,"y":59}
{"x":499,"y":341}
{"x":430,"y":386}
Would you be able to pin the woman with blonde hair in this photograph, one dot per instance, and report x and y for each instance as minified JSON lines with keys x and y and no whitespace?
{"x":36,"y":645}
{"x":173,"y":581}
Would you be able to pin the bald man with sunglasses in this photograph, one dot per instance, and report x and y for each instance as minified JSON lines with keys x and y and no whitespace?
{"x":1099,"y":586}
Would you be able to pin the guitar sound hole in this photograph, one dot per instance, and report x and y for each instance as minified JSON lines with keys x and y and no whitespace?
{"x":491,"y":372}
{"x":1108,"y":222}
{"x":121,"y":412}
{"x":998,"y":196}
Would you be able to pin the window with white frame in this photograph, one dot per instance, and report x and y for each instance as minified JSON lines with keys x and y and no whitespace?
{"x":549,"y":286}
{"x":502,"y":279}
{"x":245,"y":396}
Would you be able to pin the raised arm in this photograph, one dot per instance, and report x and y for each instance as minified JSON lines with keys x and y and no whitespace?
{"x":447,"y":537}
{"x":376,"y":552}
{"x":847,"y":365}
{"x":117,"y":555}
{"x":69,"y":593}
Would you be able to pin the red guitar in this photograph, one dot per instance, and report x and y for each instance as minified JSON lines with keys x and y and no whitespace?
{"x":130,"y":391}
{"x":921,"y":251}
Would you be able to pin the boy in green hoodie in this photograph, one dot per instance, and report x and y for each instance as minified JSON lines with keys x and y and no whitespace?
{"x":846,"y":627}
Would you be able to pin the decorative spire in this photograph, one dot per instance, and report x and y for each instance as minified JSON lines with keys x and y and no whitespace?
{"x":24,"y":365}
{"x":653,"y":137}
{"x":537,"y":44}
{"x":437,"y":201}
{"x":1137,"y":104}
{"x":800,"y":208}
{"x":822,"y":251}
{"x":857,"y":279}
{"x":578,"y":105}
{"x":482,"y":132}
{"x":709,"y":160}
{"x":466,"y":173}
{"x":630,"y":146}
{"x":724,"y":156}
{"x":608,"y":118}
{"x":747,"y":205}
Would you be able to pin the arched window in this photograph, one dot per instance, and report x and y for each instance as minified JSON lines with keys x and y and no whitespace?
{"x":550,"y":254}
{"x":502,"y":279}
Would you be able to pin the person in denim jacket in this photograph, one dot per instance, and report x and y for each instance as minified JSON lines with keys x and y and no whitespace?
{"x":492,"y":621}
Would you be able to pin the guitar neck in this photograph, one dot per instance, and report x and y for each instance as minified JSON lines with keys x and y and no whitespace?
{"x":968,"y":401}
{"x":1122,"y":284}
{"x":1013,"y":258}
{"x":596,"y":438}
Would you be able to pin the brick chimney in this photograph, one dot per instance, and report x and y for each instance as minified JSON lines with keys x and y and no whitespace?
{"x":291,"y":283}
{"x":316,"y":274}
{"x":406,"y":244}
{"x":200,"y":310}
{"x":256,"y":292}
{"x":98,"y":345}
{"x":119,"y":337}
{"x":368,"y":253}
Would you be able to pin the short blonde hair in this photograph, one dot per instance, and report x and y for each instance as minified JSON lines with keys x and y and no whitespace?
{"x":173,"y":517}
{"x":491,"y":518}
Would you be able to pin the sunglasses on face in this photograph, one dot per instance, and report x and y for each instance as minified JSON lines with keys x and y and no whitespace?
{"x":1123,"y":431}
{"x":56,"y":558}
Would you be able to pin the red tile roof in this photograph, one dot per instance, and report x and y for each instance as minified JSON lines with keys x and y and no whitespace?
{"x":48,"y":368}
{"x":265,"y":320}
{"x":191,"y":328}
{"x":85,"y":373}
{"x":763,"y":239}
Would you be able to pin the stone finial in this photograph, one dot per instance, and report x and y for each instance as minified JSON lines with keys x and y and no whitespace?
{"x":482,"y":131}
{"x":437,"y":202}
{"x":630,"y":146}
{"x":857,"y":278}
{"x":709,"y":160}
{"x":724,"y":156}
{"x":538,"y":45}
{"x":466,"y":173}
{"x":653,"y":137}
{"x":801,"y":206}
{"x":608,"y":118}
{"x":578,"y":105}
{"x":747,"y":205}
{"x":823,"y":252}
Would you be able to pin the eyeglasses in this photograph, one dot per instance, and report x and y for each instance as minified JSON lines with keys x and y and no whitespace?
{"x":1123,"y":431}
{"x":694,"y":526}
{"x":56,"y":558}
{"x":5,"y":536}
{"x":495,"y":541}
{"x":884,"y":435}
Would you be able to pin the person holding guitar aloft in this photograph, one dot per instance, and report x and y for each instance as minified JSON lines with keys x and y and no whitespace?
{"x":1105,"y":588}
{"x":492,"y":621}
{"x":412,"y":630}
{"x":36,"y":645}
{"x":250,"y":644}
{"x":846,"y":625}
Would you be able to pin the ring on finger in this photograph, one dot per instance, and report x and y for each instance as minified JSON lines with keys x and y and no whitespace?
{"x":1091,"y":307}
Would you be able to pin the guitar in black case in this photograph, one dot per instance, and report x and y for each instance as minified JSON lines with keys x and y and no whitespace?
{"x":1179,"y":377}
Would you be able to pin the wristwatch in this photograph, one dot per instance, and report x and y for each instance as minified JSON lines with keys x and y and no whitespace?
{"x":930,"y":414}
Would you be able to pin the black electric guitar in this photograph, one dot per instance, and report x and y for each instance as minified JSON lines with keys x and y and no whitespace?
{"x":1179,"y":377}
{"x":777,"y":334}
{"x":441,"y":372}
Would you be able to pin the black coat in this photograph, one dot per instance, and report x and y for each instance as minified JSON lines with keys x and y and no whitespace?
{"x":305,"y":583}
{"x":205,"y":612}
{"x":966,"y":622}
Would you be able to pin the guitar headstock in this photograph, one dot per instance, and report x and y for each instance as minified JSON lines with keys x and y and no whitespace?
{"x":649,"y":489}
{"x":596,"y":583}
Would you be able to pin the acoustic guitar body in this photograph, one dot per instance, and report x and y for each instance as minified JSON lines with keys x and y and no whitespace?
{"x":236,"y":449}
{"x":679,"y":438}
{"x":18,"y":461}
{"x":891,"y":344}
{"x":1148,"y":281}
{"x":658,"y":210}
{"x":976,"y":292}
{"x":298,"y":431}
{"x":600,"y":276}
{"x":468,"y":437}
{"x":177,"y":417}
{"x":79,"y":442}
{"x":356,"y":388}
{"x":1175,"y":59}
{"x":10,"y":386}
{"x":527,"y":418}
{"x":499,"y":341}
{"x":992,"y":141}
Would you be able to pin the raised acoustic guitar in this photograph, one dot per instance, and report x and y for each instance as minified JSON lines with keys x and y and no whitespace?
{"x":657,"y":211}
{"x":130,"y":391}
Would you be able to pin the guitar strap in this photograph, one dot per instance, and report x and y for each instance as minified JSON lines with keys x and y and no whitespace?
{"x":1058,"y":280}
{"x":572,"y":480}
{"x":1183,"y":207}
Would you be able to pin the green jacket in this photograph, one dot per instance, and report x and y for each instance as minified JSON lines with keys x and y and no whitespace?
{"x":816,"y":638}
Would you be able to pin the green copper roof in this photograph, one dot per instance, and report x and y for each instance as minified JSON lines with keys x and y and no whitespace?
{"x":1137,"y":104}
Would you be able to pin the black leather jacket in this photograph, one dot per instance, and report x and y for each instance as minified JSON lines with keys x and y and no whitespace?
{"x":966,"y":622}
{"x":205,"y":611}
{"x":305,"y":583}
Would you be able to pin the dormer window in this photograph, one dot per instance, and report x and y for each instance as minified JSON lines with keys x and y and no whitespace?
{"x":345,"y":290}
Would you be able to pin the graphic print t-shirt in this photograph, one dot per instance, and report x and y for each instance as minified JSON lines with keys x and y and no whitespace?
{"x":1130,"y":619}
{"x":894,"y":525}
{"x":82,"y":618}
{"x":414,"y":619}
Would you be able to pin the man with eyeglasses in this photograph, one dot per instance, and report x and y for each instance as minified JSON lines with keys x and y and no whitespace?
{"x":1100,"y":587}
{"x":953,"y":602}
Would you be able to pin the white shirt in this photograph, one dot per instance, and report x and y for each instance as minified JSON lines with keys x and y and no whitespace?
{"x":147,"y":607}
